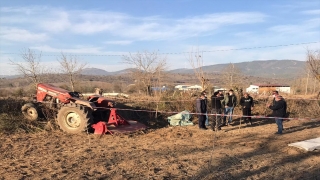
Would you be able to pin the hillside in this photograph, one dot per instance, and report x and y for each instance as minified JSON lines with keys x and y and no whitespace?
{"x":101,"y":72}
{"x":268,"y":69}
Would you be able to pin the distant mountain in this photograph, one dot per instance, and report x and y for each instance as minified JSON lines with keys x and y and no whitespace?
{"x":267,"y":69}
{"x":122,"y":71}
{"x":101,"y":72}
{"x":94,"y":71}
{"x":182,"y":70}
{"x":11,"y":76}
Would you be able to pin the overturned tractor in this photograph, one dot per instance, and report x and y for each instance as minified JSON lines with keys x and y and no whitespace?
{"x":75,"y":115}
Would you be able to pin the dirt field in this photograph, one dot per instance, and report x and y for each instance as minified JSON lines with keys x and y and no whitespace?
{"x":253,"y":152}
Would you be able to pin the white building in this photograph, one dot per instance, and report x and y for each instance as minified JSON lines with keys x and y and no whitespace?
{"x":265,"y":88}
{"x":217,"y":88}
{"x":182,"y":87}
{"x":253,"y":89}
{"x":188,"y":87}
{"x":195,"y":88}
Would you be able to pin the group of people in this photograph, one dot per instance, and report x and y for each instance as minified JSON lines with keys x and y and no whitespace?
{"x":223,"y":107}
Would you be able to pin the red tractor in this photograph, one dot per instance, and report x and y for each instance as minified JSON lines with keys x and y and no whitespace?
{"x":74,"y":114}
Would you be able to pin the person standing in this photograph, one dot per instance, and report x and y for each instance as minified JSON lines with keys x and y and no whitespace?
{"x":220,"y":93}
{"x":247,"y":104}
{"x":206,"y":102}
{"x":230,"y":102}
{"x":274,"y":94}
{"x":279,"y":111}
{"x":216,"y":110}
{"x":201,"y":109}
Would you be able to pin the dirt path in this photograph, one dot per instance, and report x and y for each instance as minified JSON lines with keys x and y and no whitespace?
{"x":167,"y":153}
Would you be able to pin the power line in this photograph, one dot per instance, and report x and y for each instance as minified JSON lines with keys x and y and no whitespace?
{"x":218,"y":50}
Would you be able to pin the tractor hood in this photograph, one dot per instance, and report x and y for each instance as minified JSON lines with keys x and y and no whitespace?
{"x":88,"y":104}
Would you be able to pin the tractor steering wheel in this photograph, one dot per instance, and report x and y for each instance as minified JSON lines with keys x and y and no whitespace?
{"x":76,"y":94}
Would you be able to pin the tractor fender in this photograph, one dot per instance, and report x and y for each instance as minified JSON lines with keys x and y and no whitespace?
{"x":88,"y":104}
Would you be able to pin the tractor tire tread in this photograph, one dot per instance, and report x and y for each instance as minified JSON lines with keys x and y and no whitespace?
{"x":85,"y":116}
{"x":33,"y":108}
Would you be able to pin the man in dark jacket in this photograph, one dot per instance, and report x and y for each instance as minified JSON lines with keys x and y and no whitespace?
{"x":247,"y":104}
{"x":279,"y":111}
{"x":274,"y":94}
{"x":206,"y":101}
{"x":201,"y":108}
{"x":229,"y":102}
{"x":216,"y":110}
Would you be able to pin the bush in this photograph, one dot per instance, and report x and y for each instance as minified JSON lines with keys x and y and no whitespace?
{"x":12,"y":120}
{"x":19,"y":92}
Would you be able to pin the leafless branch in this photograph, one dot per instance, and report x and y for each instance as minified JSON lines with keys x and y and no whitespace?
{"x":72,"y":67}
{"x":196,"y":62}
{"x":232,"y":76}
{"x":147,"y":67}
{"x":31,"y":67}
{"x":313,"y":63}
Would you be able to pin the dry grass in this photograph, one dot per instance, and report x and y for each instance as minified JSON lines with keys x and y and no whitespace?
{"x":11,"y":119}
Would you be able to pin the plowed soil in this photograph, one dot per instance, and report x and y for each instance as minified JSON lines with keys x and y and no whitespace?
{"x":252,"y":152}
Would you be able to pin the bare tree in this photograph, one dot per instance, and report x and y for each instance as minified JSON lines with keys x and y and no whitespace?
{"x":72,"y":67}
{"x":147,"y":67}
{"x":31,"y":68}
{"x":232,"y":76}
{"x":313,"y":64}
{"x":315,"y":83}
{"x":196,"y":62}
{"x":307,"y":82}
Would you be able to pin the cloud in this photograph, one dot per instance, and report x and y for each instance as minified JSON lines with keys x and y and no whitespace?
{"x":24,"y":10}
{"x":191,"y":26}
{"x":57,"y":22}
{"x":118,"y":42}
{"x":303,"y":27}
{"x":312,"y":12}
{"x":293,"y":6}
{"x":90,"y":22}
{"x":21,"y":35}
{"x":79,"y":50}
{"x":7,"y":69}
{"x":123,"y":25}
{"x":219,"y":19}
{"x":39,"y":24}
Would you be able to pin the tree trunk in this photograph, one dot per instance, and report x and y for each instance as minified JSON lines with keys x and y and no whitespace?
{"x":307,"y":83}
{"x":156,"y":115}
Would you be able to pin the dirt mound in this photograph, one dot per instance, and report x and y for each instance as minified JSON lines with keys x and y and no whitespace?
{"x":252,"y":152}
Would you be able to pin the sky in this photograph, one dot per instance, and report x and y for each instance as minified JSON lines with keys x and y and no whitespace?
{"x":101,"y":32}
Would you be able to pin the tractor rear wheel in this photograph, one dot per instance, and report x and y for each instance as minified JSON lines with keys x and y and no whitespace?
{"x":74,"y":118}
{"x":30,"y":112}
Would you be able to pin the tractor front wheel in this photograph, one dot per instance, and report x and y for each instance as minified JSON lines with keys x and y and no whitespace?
{"x":74,"y":119}
{"x":30,"y":112}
